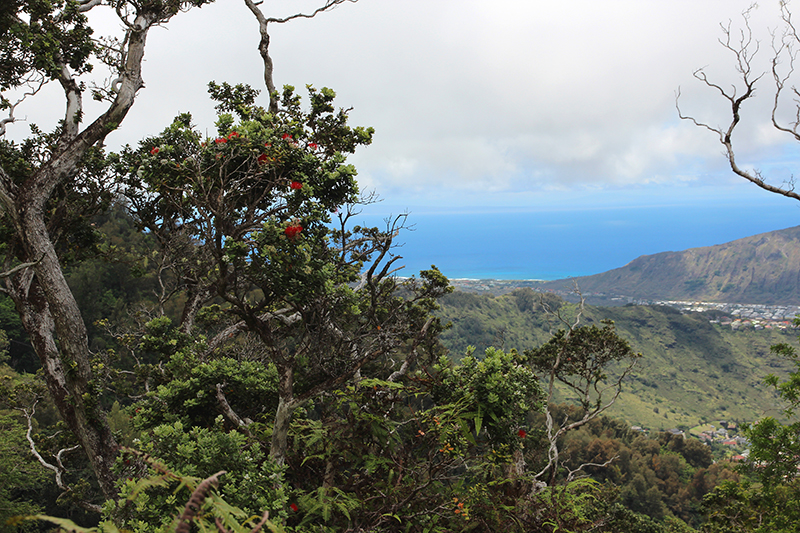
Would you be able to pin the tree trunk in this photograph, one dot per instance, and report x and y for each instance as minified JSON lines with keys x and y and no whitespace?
{"x":51,"y":317}
{"x":196,"y":297}
{"x":283,"y":415}
{"x":45,"y":302}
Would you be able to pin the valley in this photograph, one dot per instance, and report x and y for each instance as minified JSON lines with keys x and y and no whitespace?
{"x":696,"y":367}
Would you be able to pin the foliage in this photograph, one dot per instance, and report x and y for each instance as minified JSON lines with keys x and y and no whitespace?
{"x":54,"y":32}
{"x":499,"y":391}
{"x":18,"y":350}
{"x":651,"y":477}
{"x":252,"y":483}
{"x":391,"y":457}
{"x":205,"y":509}
{"x":693,"y":372}
{"x":118,"y":279}
{"x":750,"y":507}
{"x":770,"y":500}
{"x":581,"y":358}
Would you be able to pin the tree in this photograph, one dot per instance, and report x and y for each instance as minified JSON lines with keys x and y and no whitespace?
{"x":246,"y":218}
{"x":580,"y":359}
{"x":745,"y":48}
{"x":52,"y":183}
{"x":499,"y":391}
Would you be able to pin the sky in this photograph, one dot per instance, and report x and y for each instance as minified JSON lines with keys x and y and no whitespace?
{"x":497,"y":104}
{"x":508,"y":105}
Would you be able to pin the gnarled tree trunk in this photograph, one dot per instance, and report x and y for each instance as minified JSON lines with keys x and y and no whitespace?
{"x":46,"y":305}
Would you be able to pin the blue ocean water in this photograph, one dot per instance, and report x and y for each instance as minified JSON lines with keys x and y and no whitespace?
{"x":560,"y":244}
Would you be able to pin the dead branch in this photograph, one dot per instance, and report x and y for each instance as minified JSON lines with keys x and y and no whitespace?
{"x":36,"y":83}
{"x":263,"y":45}
{"x":571,"y":473}
{"x":19,"y":267}
{"x":58,"y":469}
{"x":744,"y":49}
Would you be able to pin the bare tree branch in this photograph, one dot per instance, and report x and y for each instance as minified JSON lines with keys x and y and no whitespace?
{"x":17,"y":268}
{"x":263,"y":45}
{"x":35,"y":84}
{"x":571,"y":473}
{"x":57,"y":468}
{"x":744,"y":49}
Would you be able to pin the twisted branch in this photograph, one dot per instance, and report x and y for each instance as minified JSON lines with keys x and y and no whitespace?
{"x":58,"y":469}
{"x":744,"y":51}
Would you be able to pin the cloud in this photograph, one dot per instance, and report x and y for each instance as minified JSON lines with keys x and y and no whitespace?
{"x":474,"y":96}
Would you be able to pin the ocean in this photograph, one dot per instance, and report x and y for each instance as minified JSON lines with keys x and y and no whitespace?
{"x":548,"y":245}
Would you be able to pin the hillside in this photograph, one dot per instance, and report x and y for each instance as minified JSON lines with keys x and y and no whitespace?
{"x":762,"y":269}
{"x":692,"y":371}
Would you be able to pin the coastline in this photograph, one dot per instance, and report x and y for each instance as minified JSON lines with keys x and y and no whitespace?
{"x":493,"y":286}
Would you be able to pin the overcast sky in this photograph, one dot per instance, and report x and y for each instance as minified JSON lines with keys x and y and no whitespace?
{"x":486,"y":104}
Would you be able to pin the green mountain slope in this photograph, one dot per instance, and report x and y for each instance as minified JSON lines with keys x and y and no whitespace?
{"x":762,"y":269}
{"x":692,"y":371}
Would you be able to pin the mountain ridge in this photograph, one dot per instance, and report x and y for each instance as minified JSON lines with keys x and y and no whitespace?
{"x":763,"y":268}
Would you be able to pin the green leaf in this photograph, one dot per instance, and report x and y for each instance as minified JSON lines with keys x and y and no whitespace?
{"x":68,"y":525}
{"x":466,"y":431}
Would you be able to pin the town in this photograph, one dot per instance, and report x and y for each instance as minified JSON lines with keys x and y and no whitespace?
{"x":735,"y":315}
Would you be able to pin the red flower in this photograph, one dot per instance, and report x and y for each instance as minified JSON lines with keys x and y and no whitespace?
{"x":294,"y":507}
{"x":286,"y":136}
{"x":232,"y":134}
{"x":292,"y":231}
{"x":220,"y":140}
{"x":522,"y":433}
{"x":154,"y":151}
{"x":313,"y":146}
{"x":268,"y":145}
{"x":296,"y":185}
{"x":263,"y":159}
